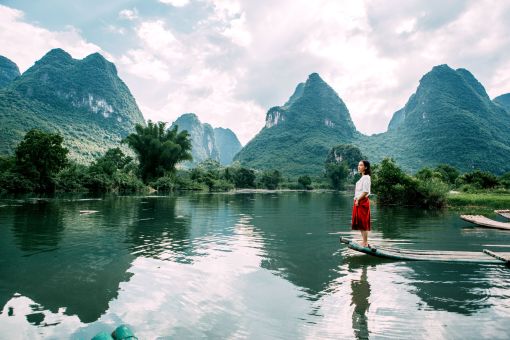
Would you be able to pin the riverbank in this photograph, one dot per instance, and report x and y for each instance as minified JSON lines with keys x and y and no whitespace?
{"x":491,"y":200}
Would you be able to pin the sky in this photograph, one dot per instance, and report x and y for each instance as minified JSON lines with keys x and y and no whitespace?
{"x":229,"y":61}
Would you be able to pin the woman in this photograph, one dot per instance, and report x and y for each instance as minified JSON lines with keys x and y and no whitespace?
{"x":361,"y":208}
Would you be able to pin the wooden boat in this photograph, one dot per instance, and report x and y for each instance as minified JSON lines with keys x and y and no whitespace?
{"x":504,"y":213}
{"x":485,"y":257}
{"x":486,"y":222}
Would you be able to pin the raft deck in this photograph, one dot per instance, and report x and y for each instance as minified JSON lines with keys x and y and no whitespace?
{"x":504,"y":213}
{"x":486,"y":222}
{"x":429,"y":255}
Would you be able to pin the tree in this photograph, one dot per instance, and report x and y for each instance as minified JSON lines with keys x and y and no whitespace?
{"x":337,"y":174}
{"x":271,"y":179}
{"x":39,"y":157}
{"x":244,"y":178}
{"x":113,"y":160}
{"x":448,"y":173}
{"x":341,"y":160}
{"x":305,"y":182}
{"x":159,"y":149}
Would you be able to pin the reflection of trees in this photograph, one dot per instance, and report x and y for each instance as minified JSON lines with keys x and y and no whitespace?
{"x":159,"y":228}
{"x":70,"y":260}
{"x":360,"y":295}
{"x":38,"y":226}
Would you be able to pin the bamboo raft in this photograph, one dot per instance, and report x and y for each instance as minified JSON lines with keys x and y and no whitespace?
{"x":485,"y":257}
{"x":486,"y":222}
{"x":504,"y":213}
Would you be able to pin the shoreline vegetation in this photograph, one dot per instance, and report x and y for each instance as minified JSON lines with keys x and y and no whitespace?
{"x":41,"y":165}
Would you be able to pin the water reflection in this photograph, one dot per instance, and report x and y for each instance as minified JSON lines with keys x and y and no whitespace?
{"x":456,"y":288}
{"x":239,"y":266}
{"x":66,"y":259}
{"x":360,"y":295}
{"x":38,"y":226}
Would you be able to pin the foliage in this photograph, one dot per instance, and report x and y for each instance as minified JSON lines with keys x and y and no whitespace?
{"x":448,"y":173}
{"x":39,"y":157}
{"x":478,"y":180}
{"x":270,"y":179}
{"x":72,"y":178}
{"x":240,"y":176}
{"x":504,"y":180}
{"x":158,"y":150}
{"x":394,"y":187}
{"x":305,"y":182}
{"x":337,"y":174}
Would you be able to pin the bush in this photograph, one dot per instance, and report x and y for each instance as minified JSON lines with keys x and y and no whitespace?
{"x":478,"y":179}
{"x":13,"y":182}
{"x":432,"y":193}
{"x":72,"y":178}
{"x":393,"y":186}
{"x":305,"y":182}
{"x":504,"y":180}
{"x":270,"y":179}
{"x":127,"y":182}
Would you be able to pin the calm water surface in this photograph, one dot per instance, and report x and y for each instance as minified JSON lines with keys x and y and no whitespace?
{"x":240,"y":266}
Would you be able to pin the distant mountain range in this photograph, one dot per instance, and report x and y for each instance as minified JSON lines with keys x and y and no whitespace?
{"x":86,"y":102}
{"x":218,"y":144}
{"x":450,"y":119}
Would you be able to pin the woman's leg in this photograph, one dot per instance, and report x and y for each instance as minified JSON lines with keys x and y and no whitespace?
{"x":364,"y":236}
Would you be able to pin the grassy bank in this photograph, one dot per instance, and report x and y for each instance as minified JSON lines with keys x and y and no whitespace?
{"x":488,"y":200}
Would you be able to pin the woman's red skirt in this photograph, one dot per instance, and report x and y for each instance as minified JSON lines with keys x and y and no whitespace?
{"x":361,"y":215}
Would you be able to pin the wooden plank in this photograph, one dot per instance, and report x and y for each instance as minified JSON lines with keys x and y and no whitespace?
{"x":486,"y":222}
{"x":421,"y":255}
{"x":497,"y":256}
{"x":505,"y":213}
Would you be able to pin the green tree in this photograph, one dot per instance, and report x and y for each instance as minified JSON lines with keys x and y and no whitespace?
{"x":505,"y":180}
{"x":305,"y":181}
{"x":159,"y":149}
{"x":39,"y":157}
{"x":337,"y":174}
{"x":244,"y":178}
{"x":448,"y":173}
{"x":478,"y":179}
{"x":271,"y":179}
{"x":113,"y":160}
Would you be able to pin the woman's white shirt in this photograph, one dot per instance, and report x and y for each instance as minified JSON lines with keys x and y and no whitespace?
{"x":362,"y":185}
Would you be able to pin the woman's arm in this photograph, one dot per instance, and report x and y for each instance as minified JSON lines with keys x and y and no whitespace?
{"x":363,"y":195}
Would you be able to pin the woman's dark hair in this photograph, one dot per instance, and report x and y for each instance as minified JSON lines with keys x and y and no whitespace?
{"x":367,"y":167}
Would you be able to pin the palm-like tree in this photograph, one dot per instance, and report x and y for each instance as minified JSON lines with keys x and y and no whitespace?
{"x":159,"y":149}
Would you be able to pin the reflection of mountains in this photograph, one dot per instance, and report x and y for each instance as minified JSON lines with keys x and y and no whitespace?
{"x":63,"y":259}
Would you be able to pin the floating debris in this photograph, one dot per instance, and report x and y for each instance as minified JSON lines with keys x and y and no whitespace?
{"x":88,"y":212}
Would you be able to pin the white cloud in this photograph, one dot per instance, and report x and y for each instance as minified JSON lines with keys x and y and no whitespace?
{"x":24,"y":43}
{"x":175,"y":3}
{"x":129,"y":14}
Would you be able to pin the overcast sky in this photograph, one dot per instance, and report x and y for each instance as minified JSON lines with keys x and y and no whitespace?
{"x":229,"y":61}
